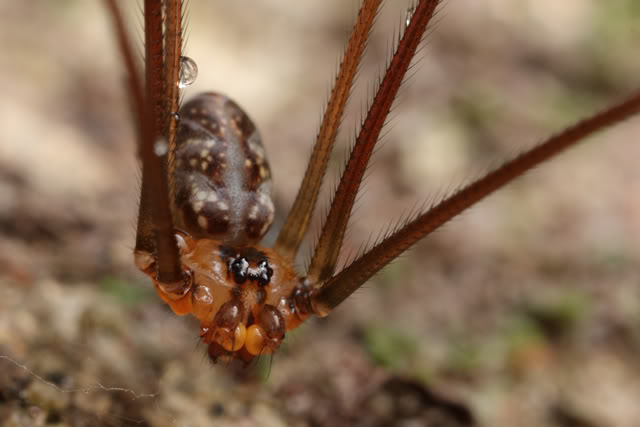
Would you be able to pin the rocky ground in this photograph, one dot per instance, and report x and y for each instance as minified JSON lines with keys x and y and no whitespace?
{"x":523,"y":311}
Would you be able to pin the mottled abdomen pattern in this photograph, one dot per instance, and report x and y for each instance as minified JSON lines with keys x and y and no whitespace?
{"x":222,"y":181}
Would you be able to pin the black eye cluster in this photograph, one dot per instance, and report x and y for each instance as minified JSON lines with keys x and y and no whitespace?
{"x":239,"y":266}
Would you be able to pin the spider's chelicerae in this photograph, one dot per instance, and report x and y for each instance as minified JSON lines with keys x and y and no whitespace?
{"x":206,"y":204}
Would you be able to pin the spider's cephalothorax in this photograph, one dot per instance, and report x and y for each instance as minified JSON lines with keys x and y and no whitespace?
{"x":213,"y":184}
{"x":246,"y":297}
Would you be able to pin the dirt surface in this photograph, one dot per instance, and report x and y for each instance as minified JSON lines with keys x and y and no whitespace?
{"x":523,"y":311}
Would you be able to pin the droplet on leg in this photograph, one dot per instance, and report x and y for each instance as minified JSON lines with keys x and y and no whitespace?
{"x":188,"y":72}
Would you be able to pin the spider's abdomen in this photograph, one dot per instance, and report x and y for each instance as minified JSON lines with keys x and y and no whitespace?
{"x":222,"y":181}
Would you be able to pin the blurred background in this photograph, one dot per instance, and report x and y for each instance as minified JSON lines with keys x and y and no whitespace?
{"x":524,"y":311}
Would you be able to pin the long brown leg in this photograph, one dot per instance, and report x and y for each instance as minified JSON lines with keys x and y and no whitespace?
{"x":173,"y":55}
{"x":339,"y":287}
{"x":328,"y":247}
{"x":155,"y":232}
{"x":135,"y":83}
{"x":296,"y":223}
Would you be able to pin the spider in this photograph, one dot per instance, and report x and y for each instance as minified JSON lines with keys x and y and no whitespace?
{"x":562,"y":228}
{"x":205,"y":199}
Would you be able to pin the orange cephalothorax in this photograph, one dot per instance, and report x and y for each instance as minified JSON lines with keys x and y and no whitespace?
{"x":222,"y":180}
{"x":246,"y":298}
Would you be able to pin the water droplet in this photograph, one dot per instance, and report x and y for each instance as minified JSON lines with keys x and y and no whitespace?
{"x":160,"y":148}
{"x":202,"y":295}
{"x":188,"y":72}
{"x":410,"y":13}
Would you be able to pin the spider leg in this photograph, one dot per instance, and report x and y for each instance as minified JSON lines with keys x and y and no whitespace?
{"x":156,"y":246}
{"x":343,"y":284}
{"x":298,"y":219}
{"x":327,"y":249}
{"x":172,"y":59}
{"x":126,"y":49}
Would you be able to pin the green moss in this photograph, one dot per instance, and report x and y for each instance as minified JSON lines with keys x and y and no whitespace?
{"x":463,"y":357}
{"x":614,"y":38}
{"x":521,"y":333}
{"x":560,"y":316}
{"x":391,"y":348}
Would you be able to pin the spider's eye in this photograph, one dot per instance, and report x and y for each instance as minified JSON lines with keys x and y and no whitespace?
{"x":222,"y":181}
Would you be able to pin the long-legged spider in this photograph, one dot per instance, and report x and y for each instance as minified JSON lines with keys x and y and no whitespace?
{"x":205,"y":199}
{"x":454,"y":295}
